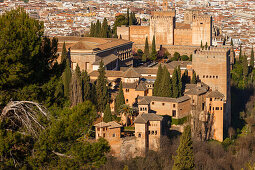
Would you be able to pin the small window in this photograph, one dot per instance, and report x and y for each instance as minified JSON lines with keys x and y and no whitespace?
{"x":173,"y":105}
{"x":220,"y":108}
{"x":113,"y":135}
{"x":127,"y":100}
{"x":213,"y":108}
{"x":149,"y":132}
{"x":210,"y":99}
{"x":98,"y":129}
{"x":152,"y":132}
{"x":163,"y":104}
{"x":207,"y":76}
{"x":103,"y":129}
{"x":156,"y":132}
{"x":210,"y":107}
{"x":213,"y":76}
{"x":201,"y":23}
{"x":127,"y":90}
{"x":216,"y":77}
{"x":203,"y":76}
{"x":139,"y":135}
{"x":217,"y":108}
{"x":210,"y":76}
{"x":98,"y":134}
{"x":173,"y":113}
{"x":145,"y":108}
{"x":104,"y":135}
{"x":152,"y":103}
{"x":141,"y":109}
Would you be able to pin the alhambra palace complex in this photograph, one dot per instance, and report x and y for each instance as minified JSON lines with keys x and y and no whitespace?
{"x":206,"y":104}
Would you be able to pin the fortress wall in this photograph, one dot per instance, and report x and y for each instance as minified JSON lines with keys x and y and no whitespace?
{"x":182,"y":36}
{"x":138,"y":34}
{"x":124,"y":32}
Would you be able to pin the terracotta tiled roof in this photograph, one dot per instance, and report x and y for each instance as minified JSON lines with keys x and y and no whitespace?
{"x":131,"y":73}
{"x":145,"y":117}
{"x":110,"y":125}
{"x":165,"y":99}
{"x":141,"y":87}
{"x":196,"y":91}
{"x":107,"y":59}
{"x":129,"y":85}
{"x":215,"y":94}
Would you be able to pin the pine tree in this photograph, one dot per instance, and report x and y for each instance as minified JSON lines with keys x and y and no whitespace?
{"x":104,"y":30}
{"x":67,"y":76}
{"x":153,"y":49}
{"x":101,"y":88}
{"x":185,"y":155}
{"x":64,"y":53}
{"x":252,"y":58}
{"x":120,"y":100}
{"x":179,"y":81}
{"x":194,"y":78}
{"x":107,"y":114}
{"x":158,"y":81}
{"x":175,"y":84}
{"x":98,"y":29}
{"x":166,"y":85}
{"x":146,"y":49}
{"x":75,"y":88}
{"x":86,"y":87}
{"x":245,"y":66}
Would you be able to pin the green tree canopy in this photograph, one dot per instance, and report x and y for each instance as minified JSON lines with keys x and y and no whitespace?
{"x":166,"y":84}
{"x":153,"y":49}
{"x":20,"y":42}
{"x":67,"y":77}
{"x":194,"y":78}
{"x":104,"y":30}
{"x":120,"y":100}
{"x":252,"y":58}
{"x":64,"y":53}
{"x":146,"y":50}
{"x":185,"y":155}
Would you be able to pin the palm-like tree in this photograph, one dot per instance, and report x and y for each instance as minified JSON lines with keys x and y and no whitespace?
{"x":127,"y":111}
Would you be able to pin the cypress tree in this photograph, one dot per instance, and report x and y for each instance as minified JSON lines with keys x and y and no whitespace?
{"x":98,"y":29}
{"x":206,"y":46}
{"x":185,"y":155}
{"x":66,"y":77}
{"x":92,"y":29}
{"x":86,"y":87}
{"x":245,"y":66}
{"x":252,"y":58}
{"x":194,"y":78}
{"x":232,"y":44}
{"x":201,"y":44}
{"x":107,"y":114}
{"x":175,"y":84}
{"x":101,"y":88}
{"x":184,"y":80}
{"x":128,"y":17}
{"x":146,"y":49}
{"x":104,"y":32}
{"x":153,"y":49}
{"x":240,"y":53}
{"x":64,"y":53}
{"x":75,"y":88}
{"x":158,"y":81}
{"x":120,"y":100}
{"x":179,"y":81}
{"x":166,"y":85}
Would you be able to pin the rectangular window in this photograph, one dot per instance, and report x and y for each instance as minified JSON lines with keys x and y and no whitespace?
{"x":210,"y":99}
{"x":113,"y":135}
{"x":217,"y":108}
{"x":141,"y":109}
{"x":139,"y":135}
{"x":104,"y":135}
{"x":173,"y":113}
{"x":210,"y":107}
{"x":98,"y":129}
{"x":173,"y":105}
{"x":220,"y":108}
{"x":152,"y":103}
{"x":126,"y":100}
{"x":163,"y":104}
{"x":156,"y":132}
{"x":103,"y":129}
{"x":203,"y":106}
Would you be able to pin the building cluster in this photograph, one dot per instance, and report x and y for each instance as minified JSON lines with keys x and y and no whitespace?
{"x":232,"y":19}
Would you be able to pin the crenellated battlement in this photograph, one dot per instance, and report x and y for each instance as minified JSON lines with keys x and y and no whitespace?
{"x":212,"y":51}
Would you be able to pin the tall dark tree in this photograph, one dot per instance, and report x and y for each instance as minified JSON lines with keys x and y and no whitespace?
{"x":201,"y":45}
{"x":153,"y":49}
{"x":146,"y":50}
{"x":64,"y":53}
{"x":67,"y":76}
{"x":128,"y":23}
{"x":185,"y":155}
{"x":166,"y":84}
{"x":252,"y":58}
{"x":206,"y":45}
{"x":175,"y":84}
{"x":179,"y":81}
{"x":120,"y":100}
{"x":76,"y":88}
{"x":158,"y":81}
{"x":92,"y":29}
{"x":21,"y":38}
{"x":101,"y":88}
{"x":240,"y":53}
{"x":104,"y":30}
{"x":194,"y":78}
{"x":185,"y":79}
{"x":107,"y":114}
{"x":245,"y":66}
{"x":86,"y":86}
{"x":232,"y":44}
{"x":98,"y":29}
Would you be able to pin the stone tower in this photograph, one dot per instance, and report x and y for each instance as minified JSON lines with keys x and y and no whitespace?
{"x":201,"y":29}
{"x":212,"y":67}
{"x":162,"y":26}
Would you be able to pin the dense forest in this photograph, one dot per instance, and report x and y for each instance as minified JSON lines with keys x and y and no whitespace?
{"x":47,"y":111}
